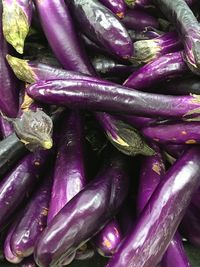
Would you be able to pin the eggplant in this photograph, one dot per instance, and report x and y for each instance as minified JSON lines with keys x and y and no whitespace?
{"x":89,"y":13}
{"x":164,"y":68}
{"x":8,"y":89}
{"x":148,"y":50}
{"x":139,"y":20}
{"x":138,"y":122}
{"x":6,"y":127}
{"x":17,"y":15}
{"x":69,"y":173}
{"x":157,"y":224}
{"x":118,"y":7}
{"x":33,"y":220}
{"x":179,"y":13}
{"x":85,"y":215}
{"x":18,"y":182}
{"x":108,"y":239}
{"x":175,"y":150}
{"x":149,"y":3}
{"x":113,"y":98}
{"x":174,"y":133}
{"x":64,"y":41}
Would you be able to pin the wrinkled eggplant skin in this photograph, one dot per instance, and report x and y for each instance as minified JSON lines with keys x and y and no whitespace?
{"x":174,"y":133}
{"x":183,"y":86}
{"x":11,"y":150}
{"x":85,"y":215}
{"x":162,"y":215}
{"x":108,"y":239}
{"x":6,"y":127}
{"x":8,"y":90}
{"x":139,"y":20}
{"x":168,"y":66}
{"x":69,"y":173}
{"x":113,"y":98}
{"x":118,"y":7}
{"x":89,"y":13}
{"x":33,"y":221}
{"x":63,"y":41}
{"x":17,"y":183}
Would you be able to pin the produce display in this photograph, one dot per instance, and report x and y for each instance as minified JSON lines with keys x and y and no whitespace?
{"x":99,"y":132}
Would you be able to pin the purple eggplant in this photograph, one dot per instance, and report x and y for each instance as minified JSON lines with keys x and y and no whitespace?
{"x":149,"y":3}
{"x":114,"y":98}
{"x":69,"y":174}
{"x":108,"y":239}
{"x":169,"y":66}
{"x":179,"y":13}
{"x":176,"y":133}
{"x":139,"y":20}
{"x":118,"y":7}
{"x":63,"y":41}
{"x":148,"y":50}
{"x":8,"y":89}
{"x":17,"y":16}
{"x":157,"y":224}
{"x":20,"y":180}
{"x":33,"y":221}
{"x":85,"y":215}
{"x":89,"y":14}
{"x":6,"y":127}
{"x":138,"y":122}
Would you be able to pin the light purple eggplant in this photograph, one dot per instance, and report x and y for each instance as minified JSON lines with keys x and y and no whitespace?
{"x":164,"y":68}
{"x":118,"y":7}
{"x":148,"y":50}
{"x":33,"y":220}
{"x":89,"y":13}
{"x":108,"y":239}
{"x":17,"y":15}
{"x":174,"y":133}
{"x":158,"y":222}
{"x":139,"y":20}
{"x":64,"y":40}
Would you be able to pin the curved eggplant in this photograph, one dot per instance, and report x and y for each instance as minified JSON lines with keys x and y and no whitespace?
{"x":89,"y":14}
{"x":118,"y":7}
{"x":156,"y":226}
{"x":85,"y":215}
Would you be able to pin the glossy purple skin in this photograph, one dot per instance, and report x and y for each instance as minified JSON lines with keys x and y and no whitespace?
{"x":169,"y":66}
{"x":6,"y":127}
{"x":69,"y":174}
{"x":17,"y":183}
{"x":183,"y":86}
{"x":162,"y":215}
{"x":114,"y":98}
{"x":138,"y":122}
{"x":8,"y":253}
{"x":63,"y":41}
{"x":175,"y":254}
{"x":85,"y":215}
{"x":179,"y":13}
{"x":175,"y":150}
{"x":139,"y":20}
{"x":176,"y":133}
{"x":33,"y":221}
{"x":89,"y":13}
{"x":118,"y":7}
{"x":8,"y":89}
{"x":108,"y":239}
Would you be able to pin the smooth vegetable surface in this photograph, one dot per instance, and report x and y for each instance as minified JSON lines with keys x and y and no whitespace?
{"x":118,"y":7}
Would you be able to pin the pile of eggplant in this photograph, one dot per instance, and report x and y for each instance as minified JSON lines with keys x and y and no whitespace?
{"x":99,"y":131}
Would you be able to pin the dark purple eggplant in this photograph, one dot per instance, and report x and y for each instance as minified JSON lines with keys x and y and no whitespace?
{"x":139,"y":20}
{"x":148,"y":50}
{"x":167,"y":67}
{"x":175,"y":150}
{"x":85,"y":215}
{"x":33,"y":220}
{"x":8,"y":89}
{"x":118,"y":7}
{"x":6,"y":127}
{"x":89,"y":14}
{"x":176,"y":133}
{"x":17,"y":183}
{"x":157,"y":224}
{"x":63,"y":41}
{"x":113,"y":98}
{"x":16,"y":22}
{"x":179,"y":13}
{"x":69,"y":174}
{"x":108,"y":239}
